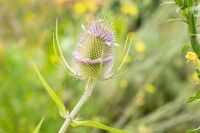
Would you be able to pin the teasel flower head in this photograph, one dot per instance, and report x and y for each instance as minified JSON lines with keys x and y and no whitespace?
{"x":93,"y":57}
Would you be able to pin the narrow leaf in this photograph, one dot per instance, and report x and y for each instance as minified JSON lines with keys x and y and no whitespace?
{"x":195,"y":97}
{"x":197,"y":130}
{"x":59,"y":48}
{"x":184,"y":48}
{"x":168,"y":2}
{"x":62,"y":110}
{"x":123,"y":57}
{"x":179,"y":2}
{"x":97,"y":125}
{"x":37,"y":129}
{"x":60,"y":60}
{"x":181,"y":20}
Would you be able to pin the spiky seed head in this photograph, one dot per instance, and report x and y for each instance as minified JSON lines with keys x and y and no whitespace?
{"x":93,"y":54}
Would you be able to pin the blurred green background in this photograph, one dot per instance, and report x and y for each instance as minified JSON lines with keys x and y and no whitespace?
{"x":148,"y":98}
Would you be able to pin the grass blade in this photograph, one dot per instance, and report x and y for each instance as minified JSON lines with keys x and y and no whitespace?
{"x":184,"y":48}
{"x":59,"y":48}
{"x":37,"y":129}
{"x":195,"y":97}
{"x":62,"y":110}
{"x":97,"y":125}
{"x":197,"y":130}
{"x":168,"y":2}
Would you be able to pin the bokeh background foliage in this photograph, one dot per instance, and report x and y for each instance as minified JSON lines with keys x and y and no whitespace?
{"x":148,"y":98}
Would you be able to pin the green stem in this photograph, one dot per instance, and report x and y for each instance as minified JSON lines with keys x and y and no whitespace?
{"x":193,"y":30}
{"x":193,"y":34}
{"x":84,"y":98}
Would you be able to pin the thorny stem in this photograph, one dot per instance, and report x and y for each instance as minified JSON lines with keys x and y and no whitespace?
{"x":84,"y":98}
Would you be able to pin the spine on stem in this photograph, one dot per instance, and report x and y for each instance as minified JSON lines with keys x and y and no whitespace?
{"x":84,"y":98}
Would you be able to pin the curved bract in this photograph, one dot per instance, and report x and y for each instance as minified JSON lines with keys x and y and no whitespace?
{"x":93,"y":54}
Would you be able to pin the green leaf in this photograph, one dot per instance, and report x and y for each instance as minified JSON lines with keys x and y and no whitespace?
{"x":37,"y":129}
{"x":195,"y":97}
{"x":179,"y":3}
{"x":184,"y":48}
{"x":123,"y":57}
{"x":62,"y":110}
{"x":59,"y":48}
{"x":197,"y":130}
{"x":97,"y":125}
{"x":198,"y":73}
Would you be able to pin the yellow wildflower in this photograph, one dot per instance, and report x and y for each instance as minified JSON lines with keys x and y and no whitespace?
{"x":128,"y":59}
{"x":150,"y":88}
{"x":140,"y":47}
{"x":132,"y":35}
{"x":91,"y":5}
{"x":140,"y":101}
{"x":123,"y":84}
{"x":191,"y":56}
{"x":53,"y":58}
{"x":143,"y":129}
{"x":1,"y":50}
{"x":80,"y":7}
{"x":195,"y":77}
{"x":129,"y":9}
{"x":29,"y":17}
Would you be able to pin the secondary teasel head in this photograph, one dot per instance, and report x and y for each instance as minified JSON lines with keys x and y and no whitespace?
{"x":93,"y":54}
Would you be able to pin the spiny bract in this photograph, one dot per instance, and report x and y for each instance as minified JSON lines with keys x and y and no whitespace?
{"x":93,"y":53}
